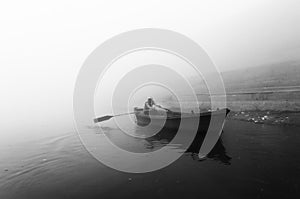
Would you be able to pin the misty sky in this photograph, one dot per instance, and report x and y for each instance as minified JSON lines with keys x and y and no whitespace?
{"x":44,"y":43}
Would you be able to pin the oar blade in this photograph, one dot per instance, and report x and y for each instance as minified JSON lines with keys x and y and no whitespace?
{"x":101,"y":119}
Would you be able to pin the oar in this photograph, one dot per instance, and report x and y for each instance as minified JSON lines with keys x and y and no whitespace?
{"x":164,"y":108}
{"x":167,"y":109}
{"x":107,"y":117}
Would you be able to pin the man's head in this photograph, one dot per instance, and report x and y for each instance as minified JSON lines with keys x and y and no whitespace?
{"x":150,"y":101}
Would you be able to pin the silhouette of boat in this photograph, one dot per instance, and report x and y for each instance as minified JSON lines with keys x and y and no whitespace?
{"x":173,"y":119}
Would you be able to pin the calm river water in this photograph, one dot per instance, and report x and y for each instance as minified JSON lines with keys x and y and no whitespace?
{"x":249,"y":161}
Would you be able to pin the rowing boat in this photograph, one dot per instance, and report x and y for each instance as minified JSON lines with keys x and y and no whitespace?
{"x":172,"y":120}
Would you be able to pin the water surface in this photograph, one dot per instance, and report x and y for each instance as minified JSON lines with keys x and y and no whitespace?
{"x":249,"y":161}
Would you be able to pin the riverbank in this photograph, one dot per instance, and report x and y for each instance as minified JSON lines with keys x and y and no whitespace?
{"x":290,"y":118}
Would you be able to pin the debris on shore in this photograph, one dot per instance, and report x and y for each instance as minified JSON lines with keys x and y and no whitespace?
{"x":268,"y":117}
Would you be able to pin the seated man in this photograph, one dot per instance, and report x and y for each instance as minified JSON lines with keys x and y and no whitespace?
{"x":150,"y":105}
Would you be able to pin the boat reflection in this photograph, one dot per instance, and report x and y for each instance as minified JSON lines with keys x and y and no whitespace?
{"x":218,"y":153}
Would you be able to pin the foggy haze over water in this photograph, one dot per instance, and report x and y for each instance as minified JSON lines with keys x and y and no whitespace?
{"x":255,"y":46}
{"x":43,"y":49}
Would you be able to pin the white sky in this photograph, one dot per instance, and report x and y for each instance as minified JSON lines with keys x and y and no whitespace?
{"x":44,"y":43}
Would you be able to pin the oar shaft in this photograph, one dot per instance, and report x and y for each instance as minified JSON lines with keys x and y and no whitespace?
{"x":107,"y":117}
{"x":123,"y":114}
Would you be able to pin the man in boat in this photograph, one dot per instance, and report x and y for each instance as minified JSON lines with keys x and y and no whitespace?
{"x":150,"y":105}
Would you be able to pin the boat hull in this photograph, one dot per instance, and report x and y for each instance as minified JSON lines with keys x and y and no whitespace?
{"x":174,"y":119}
